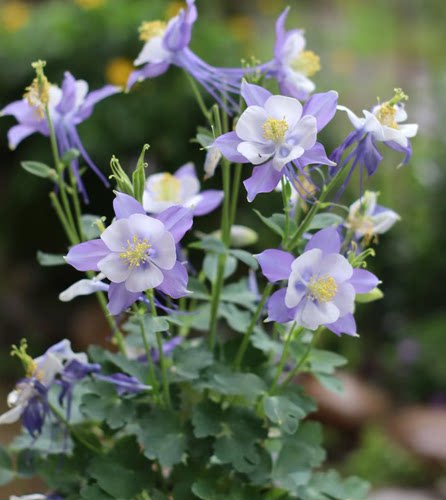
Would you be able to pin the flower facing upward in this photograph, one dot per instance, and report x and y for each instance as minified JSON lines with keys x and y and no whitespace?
{"x":136,"y":253}
{"x":274,"y":132}
{"x":321,"y":288}
{"x":182,"y":188}
{"x":367,"y":219}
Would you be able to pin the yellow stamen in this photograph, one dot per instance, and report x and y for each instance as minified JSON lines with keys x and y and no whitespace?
{"x":167,"y":188}
{"x":274,"y":130}
{"x":307,"y":62}
{"x":323,"y":289}
{"x":38,"y":93}
{"x":136,"y":252}
{"x":386,"y":112}
{"x":151,"y":29}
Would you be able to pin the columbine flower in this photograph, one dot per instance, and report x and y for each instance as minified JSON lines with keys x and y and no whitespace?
{"x":35,"y":496}
{"x":321,"y":285}
{"x":68,"y":107}
{"x":136,"y":253}
{"x":182,"y":188}
{"x":382,"y":124}
{"x":167,"y":44}
{"x":275,"y":132}
{"x":367,"y":219}
{"x":124,"y":384}
{"x":292,"y":64}
{"x":28,"y":401}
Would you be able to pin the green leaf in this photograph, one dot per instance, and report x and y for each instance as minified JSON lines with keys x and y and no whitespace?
{"x":6,"y":467}
{"x":283,"y":412}
{"x":189,"y":361}
{"x":245,"y":257}
{"x":210,"y":244}
{"x":262,"y":341}
{"x":139,"y":175}
{"x":330,"y":382}
{"x":325,"y":361}
{"x":162,"y":437}
{"x":206,"y":419}
{"x":94,"y":492}
{"x":50,"y":259}
{"x":39,"y":169}
{"x":130,"y":366}
{"x":364,"y":298}
{"x":238,"y":320}
{"x":89,"y":226}
{"x":239,"y":293}
{"x":271,"y":223}
{"x":70,"y":155}
{"x":331,"y":485}
{"x":210,"y":266}
{"x":321,"y":221}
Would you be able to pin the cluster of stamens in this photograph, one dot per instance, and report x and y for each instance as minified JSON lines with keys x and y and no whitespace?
{"x":37,"y":94}
{"x":151,"y":29}
{"x":322,"y":288}
{"x":167,"y":188}
{"x":386,"y":112}
{"x":307,"y":62}
{"x":274,"y":130}
{"x":136,"y":252}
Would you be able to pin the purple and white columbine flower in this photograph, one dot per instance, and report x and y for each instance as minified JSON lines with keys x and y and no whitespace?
{"x":29,"y":400}
{"x":278,"y":135}
{"x":367,"y":219}
{"x":322,"y":285}
{"x":292,"y":64}
{"x":165,"y":190}
{"x":382,"y":124}
{"x":168,"y":44}
{"x":68,"y":107}
{"x":136,"y":253}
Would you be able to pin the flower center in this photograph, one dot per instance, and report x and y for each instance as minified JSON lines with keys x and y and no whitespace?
{"x":167,"y":188}
{"x":323,"y":288}
{"x":151,"y":29}
{"x":307,"y":62}
{"x":386,"y":115}
{"x":274,"y":130}
{"x":136,"y":252}
{"x":37,"y":95}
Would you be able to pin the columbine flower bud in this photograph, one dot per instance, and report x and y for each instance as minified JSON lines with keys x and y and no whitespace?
{"x":241,"y":236}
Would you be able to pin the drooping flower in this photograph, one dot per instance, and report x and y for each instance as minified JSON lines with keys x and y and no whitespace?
{"x":278,"y":135}
{"x":137,"y":253}
{"x":322,"y":285}
{"x":367,"y":219}
{"x":382,"y":124}
{"x":168,"y":44}
{"x":68,"y":106}
{"x":165,"y":190}
{"x":29,"y":400}
{"x":292,"y":65}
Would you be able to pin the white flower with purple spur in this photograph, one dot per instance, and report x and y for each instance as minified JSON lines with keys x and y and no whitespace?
{"x":292,"y":64}
{"x":384,"y":123}
{"x":278,"y":135}
{"x":366,"y":218}
{"x":137,"y":253}
{"x":165,"y":190}
{"x":322,"y":285}
{"x":68,"y":107}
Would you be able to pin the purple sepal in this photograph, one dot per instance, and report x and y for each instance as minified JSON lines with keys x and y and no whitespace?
{"x":36,"y":410}
{"x":177,"y":220}
{"x":119,"y":298}
{"x":175,"y":281}
{"x":327,"y":240}
{"x":322,"y":106}
{"x":209,"y":200}
{"x":313,"y":156}
{"x":168,"y":347}
{"x":401,"y":149}
{"x":275,"y":264}
{"x":254,"y":95}
{"x":345,"y":324}
{"x":85,"y":256}
{"x":93,"y":98}
{"x":151,"y":70}
{"x":124,"y":384}
{"x":125,"y":205}
{"x":227,"y":145}
{"x":179,"y":30}
{"x":363,"y":281}
{"x":277,"y":310}
{"x":264,"y":179}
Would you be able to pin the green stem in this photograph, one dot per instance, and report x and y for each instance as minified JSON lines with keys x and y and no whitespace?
{"x":152,"y":380}
{"x":284,"y":356}
{"x":245,"y":342}
{"x":286,"y":209}
{"x":72,"y":237}
{"x":162,"y":359}
{"x":303,"y":359}
{"x":199,"y":99}
{"x":76,"y":204}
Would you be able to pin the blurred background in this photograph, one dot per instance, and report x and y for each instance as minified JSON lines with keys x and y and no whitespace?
{"x":389,"y":426}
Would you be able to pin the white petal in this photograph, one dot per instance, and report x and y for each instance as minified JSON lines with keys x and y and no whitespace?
{"x":356,"y":121}
{"x":255,"y":152}
{"x":143,"y":278}
{"x":300,"y":82}
{"x":250,"y":124}
{"x":295,"y":292}
{"x":163,"y":252}
{"x":344,"y":299}
{"x":117,"y":235}
{"x":409,"y":129}
{"x":49,"y":368}
{"x":153,"y":52}
{"x":307,"y":264}
{"x":115,"y":268}
{"x":400,"y":115}
{"x":190,"y":186}
{"x":81,"y":92}
{"x":336,"y":266}
{"x":82,"y":287}
{"x":145,"y":227}
{"x":293,"y":46}
{"x":304,"y":133}
{"x":12,"y":415}
{"x":383,"y":221}
{"x":286,"y":154}
{"x":284,"y":108}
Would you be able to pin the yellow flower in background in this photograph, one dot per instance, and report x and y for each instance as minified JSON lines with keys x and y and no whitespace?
{"x":118,"y":71}
{"x":242,"y":27}
{"x":14,"y":15}
{"x":90,"y":4}
{"x":174,"y":8}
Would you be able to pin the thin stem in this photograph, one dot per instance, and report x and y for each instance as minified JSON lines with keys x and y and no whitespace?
{"x":245,"y":342}
{"x":77,"y":205}
{"x":152,"y":380}
{"x":235,"y":191}
{"x":199,"y":98}
{"x":286,"y":209}
{"x":72,"y":237}
{"x":284,"y":356}
{"x":303,"y":359}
